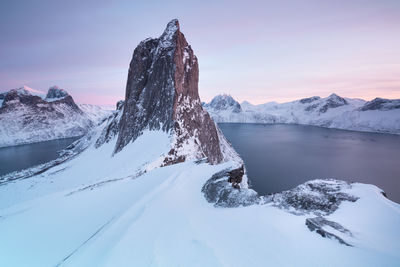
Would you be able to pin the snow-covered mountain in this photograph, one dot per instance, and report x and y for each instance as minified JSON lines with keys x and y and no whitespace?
{"x":378,"y":115}
{"x":157,"y":184}
{"x":28,"y":115}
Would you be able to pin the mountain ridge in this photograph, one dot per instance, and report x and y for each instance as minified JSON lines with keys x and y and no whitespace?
{"x":377,"y":115}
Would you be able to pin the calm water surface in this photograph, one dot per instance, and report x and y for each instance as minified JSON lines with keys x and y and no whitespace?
{"x":279,"y":157}
{"x":20,"y":157}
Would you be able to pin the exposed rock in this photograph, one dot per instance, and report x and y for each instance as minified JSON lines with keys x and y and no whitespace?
{"x":309,"y":99}
{"x":333,"y":101}
{"x":56,"y":92}
{"x":112,"y":126}
{"x":219,"y":191}
{"x":120,"y":105}
{"x":319,"y":223}
{"x":162,"y":94}
{"x":381,"y":104}
{"x":235,"y":177}
{"x":320,"y":197}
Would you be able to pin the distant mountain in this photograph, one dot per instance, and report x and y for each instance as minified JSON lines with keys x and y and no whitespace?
{"x":378,"y":115}
{"x":28,"y":115}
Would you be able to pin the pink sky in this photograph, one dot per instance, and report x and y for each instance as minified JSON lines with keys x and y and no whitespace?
{"x":258,"y":51}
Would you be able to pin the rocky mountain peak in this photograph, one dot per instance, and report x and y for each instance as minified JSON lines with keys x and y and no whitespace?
{"x":224,"y":102}
{"x":162,"y":94}
{"x":56,"y":92}
{"x":169,"y":33}
{"x":333,"y":101}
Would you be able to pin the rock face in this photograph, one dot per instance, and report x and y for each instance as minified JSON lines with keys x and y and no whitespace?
{"x":381,"y":104}
{"x":162,"y":94}
{"x":309,"y":99}
{"x":56,"y":92}
{"x":333,"y":101}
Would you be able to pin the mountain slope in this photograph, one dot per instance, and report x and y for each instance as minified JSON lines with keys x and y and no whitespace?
{"x":378,"y":115}
{"x":27,"y":116}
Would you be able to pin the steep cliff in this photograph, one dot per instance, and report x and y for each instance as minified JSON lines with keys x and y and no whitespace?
{"x":162,"y":94}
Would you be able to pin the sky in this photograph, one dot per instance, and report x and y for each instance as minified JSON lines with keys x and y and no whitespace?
{"x":259,"y":51}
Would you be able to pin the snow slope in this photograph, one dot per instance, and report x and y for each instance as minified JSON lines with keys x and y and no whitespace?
{"x":379,"y":115}
{"x":103,"y":210}
{"x":28,"y":116}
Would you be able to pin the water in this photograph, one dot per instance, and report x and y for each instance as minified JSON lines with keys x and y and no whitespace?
{"x":20,"y":157}
{"x":279,"y":157}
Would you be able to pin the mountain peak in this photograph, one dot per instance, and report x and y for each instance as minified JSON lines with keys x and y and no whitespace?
{"x":162,"y":94}
{"x":225,"y":102}
{"x":56,"y":92}
{"x":168,"y":36}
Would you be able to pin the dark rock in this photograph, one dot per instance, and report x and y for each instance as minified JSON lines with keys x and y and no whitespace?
{"x":18,"y":97}
{"x":112,"y":126}
{"x":235,"y":177}
{"x":56,"y":92}
{"x":318,"y":223}
{"x":219,"y":191}
{"x":381,"y":104}
{"x":311,"y":107}
{"x":309,"y":99}
{"x":162,"y":94}
{"x":321,"y":197}
{"x":120,"y":104}
{"x":333,"y":101}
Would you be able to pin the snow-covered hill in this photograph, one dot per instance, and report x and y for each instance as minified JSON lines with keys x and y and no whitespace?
{"x":126,"y":198}
{"x":378,"y":115}
{"x":28,"y":116}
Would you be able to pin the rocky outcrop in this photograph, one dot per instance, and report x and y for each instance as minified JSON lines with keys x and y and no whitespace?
{"x":162,"y":94}
{"x":219,"y":191}
{"x":111,"y":129}
{"x":318,"y":224}
{"x":381,"y":104}
{"x":320,"y":197}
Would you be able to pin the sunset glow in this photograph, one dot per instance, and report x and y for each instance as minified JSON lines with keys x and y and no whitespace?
{"x":258,"y":51}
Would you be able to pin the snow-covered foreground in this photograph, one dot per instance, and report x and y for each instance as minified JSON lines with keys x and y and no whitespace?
{"x":98,"y":210}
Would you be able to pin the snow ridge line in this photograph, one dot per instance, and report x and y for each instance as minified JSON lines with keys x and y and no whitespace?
{"x":84,"y":242}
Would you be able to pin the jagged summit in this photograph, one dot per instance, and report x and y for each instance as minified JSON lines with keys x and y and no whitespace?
{"x":224,"y":102}
{"x":56,"y":92}
{"x":162,"y":94}
{"x":169,"y":32}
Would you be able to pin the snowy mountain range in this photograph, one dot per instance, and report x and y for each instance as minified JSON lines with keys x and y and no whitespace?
{"x":157,"y":184}
{"x":28,"y":116}
{"x":378,"y":115}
